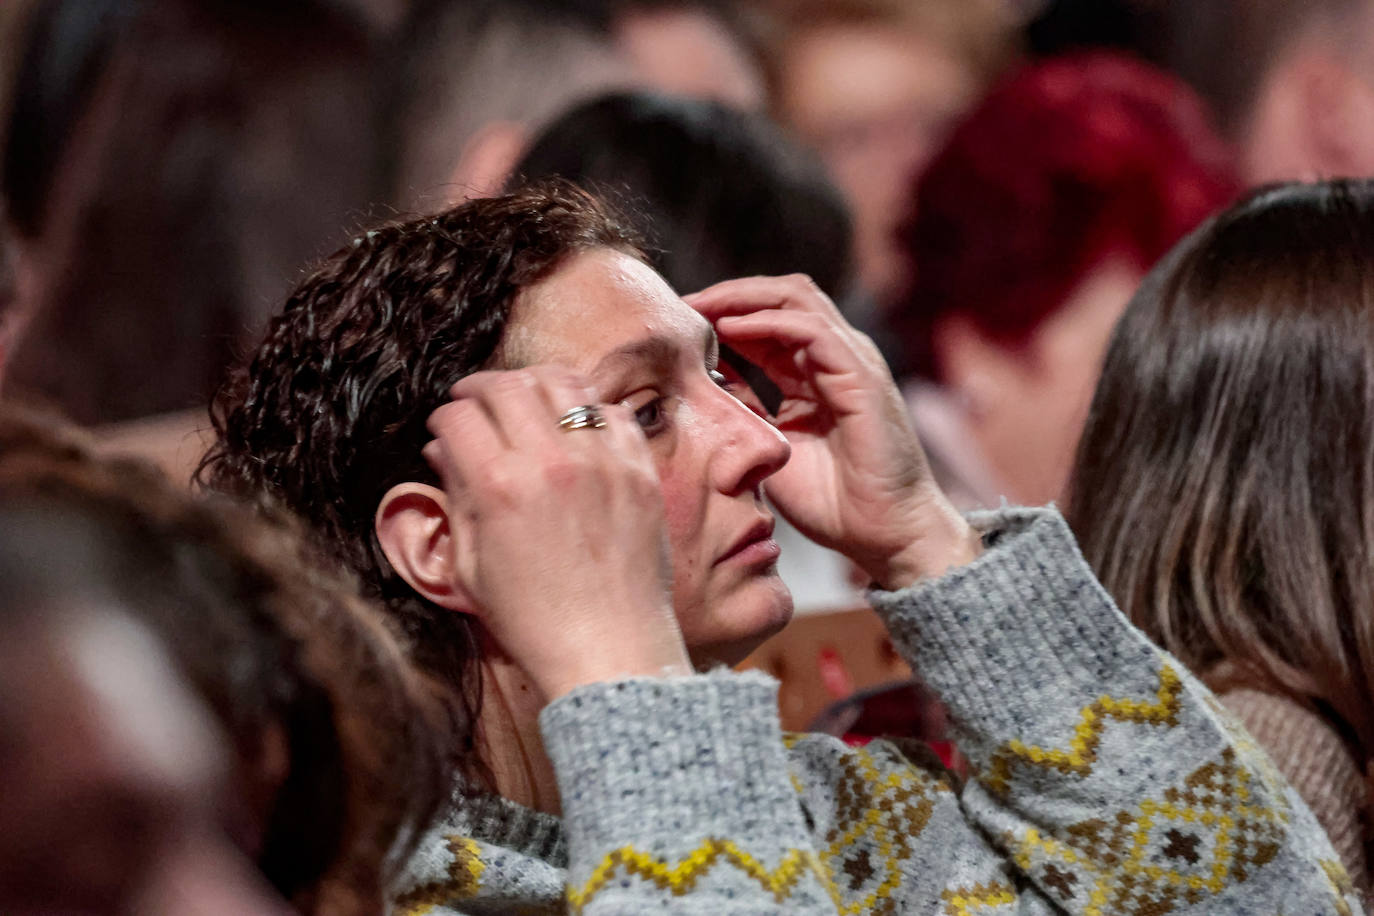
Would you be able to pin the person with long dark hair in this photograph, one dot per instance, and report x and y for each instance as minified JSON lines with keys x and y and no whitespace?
{"x":1224,"y":486}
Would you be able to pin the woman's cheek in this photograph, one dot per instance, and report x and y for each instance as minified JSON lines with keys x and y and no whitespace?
{"x":685,"y":484}
{"x":681,"y":509}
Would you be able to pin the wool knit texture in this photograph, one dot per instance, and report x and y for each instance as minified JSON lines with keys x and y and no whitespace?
{"x":1105,"y":780}
{"x":1310,"y":754}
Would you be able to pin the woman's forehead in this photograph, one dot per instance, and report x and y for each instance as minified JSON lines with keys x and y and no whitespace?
{"x":597,"y":303}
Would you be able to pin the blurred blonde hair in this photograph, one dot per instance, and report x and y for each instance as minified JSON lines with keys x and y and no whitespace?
{"x":982,"y":34}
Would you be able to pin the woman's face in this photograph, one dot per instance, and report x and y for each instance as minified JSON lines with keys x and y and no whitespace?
{"x":876,"y":102}
{"x":614,"y":319}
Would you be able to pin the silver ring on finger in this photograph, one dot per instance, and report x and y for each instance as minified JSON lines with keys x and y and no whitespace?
{"x":587,"y":416}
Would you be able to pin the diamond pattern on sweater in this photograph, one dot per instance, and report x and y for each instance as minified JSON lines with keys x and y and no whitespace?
{"x":881,"y":812}
{"x":1197,"y":839}
{"x":468,"y":885}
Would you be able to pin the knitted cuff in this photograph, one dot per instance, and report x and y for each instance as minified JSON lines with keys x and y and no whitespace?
{"x":672,"y":759}
{"x":1024,"y":629}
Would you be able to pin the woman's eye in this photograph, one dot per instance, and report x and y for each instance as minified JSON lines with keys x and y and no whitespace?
{"x":650,"y":416}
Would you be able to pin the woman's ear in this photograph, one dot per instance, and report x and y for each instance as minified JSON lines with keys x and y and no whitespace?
{"x":417,"y":535}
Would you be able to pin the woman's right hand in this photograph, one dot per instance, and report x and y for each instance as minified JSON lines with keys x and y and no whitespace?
{"x":558,"y":534}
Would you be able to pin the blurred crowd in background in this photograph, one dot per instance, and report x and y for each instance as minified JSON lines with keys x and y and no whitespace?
{"x":980,"y":183}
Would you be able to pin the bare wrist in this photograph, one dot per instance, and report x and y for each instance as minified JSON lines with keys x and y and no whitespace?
{"x":947,"y":542}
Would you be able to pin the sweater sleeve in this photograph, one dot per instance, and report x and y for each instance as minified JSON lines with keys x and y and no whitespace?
{"x":1309,"y":753}
{"x":1101,"y":769}
{"x":677,"y":799}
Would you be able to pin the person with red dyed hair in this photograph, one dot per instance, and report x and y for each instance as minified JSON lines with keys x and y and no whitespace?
{"x":1027,"y":235}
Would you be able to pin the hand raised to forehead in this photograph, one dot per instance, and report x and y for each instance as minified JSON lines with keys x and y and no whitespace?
{"x":558,"y":527}
{"x":858,"y":480}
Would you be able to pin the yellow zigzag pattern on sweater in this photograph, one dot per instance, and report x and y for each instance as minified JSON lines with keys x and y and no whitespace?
{"x":464,"y":880}
{"x":1340,"y":883}
{"x":681,"y":878}
{"x":1082,"y":751}
{"x":965,"y":900}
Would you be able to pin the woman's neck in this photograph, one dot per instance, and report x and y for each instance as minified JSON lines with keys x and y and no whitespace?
{"x":509,"y":739}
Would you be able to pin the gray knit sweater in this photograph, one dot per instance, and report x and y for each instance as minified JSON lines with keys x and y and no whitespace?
{"x":1316,"y":761}
{"x":1104,"y":781}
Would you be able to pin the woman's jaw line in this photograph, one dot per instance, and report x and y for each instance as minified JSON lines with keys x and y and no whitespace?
{"x":730,"y":650}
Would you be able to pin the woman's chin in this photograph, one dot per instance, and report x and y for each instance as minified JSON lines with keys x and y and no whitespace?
{"x":741,"y":622}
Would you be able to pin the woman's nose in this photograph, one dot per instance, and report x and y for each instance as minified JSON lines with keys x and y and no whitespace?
{"x":751,"y":451}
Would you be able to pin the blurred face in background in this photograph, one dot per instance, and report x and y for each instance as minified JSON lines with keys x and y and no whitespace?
{"x":1028,"y":233}
{"x":1313,"y":115}
{"x":876,"y":102}
{"x":1025,"y":405}
{"x":114,"y":778}
{"x":688,"y":52}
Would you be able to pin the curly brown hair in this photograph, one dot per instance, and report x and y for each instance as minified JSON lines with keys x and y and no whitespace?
{"x":330,"y":412}
{"x":284,"y":653}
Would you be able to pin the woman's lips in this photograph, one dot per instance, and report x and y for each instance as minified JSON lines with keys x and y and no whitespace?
{"x":755,"y":546}
{"x":756,"y":552}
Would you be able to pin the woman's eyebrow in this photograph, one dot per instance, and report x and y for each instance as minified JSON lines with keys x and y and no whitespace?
{"x":657,"y":351}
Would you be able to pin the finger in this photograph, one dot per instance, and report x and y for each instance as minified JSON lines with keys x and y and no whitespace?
{"x":518,"y":410}
{"x":475,"y":389}
{"x":744,"y":391}
{"x":561,"y":391}
{"x":464,"y":440}
{"x":778,"y":359}
{"x":623,"y":436}
{"x":451,"y":480}
{"x":796,"y":292}
{"x":520,"y":406}
{"x":626,"y":445}
{"x":748,"y":381}
{"x":771,"y":338}
{"x":471,"y":385}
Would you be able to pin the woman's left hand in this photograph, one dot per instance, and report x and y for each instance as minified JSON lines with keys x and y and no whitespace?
{"x":858,"y":481}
